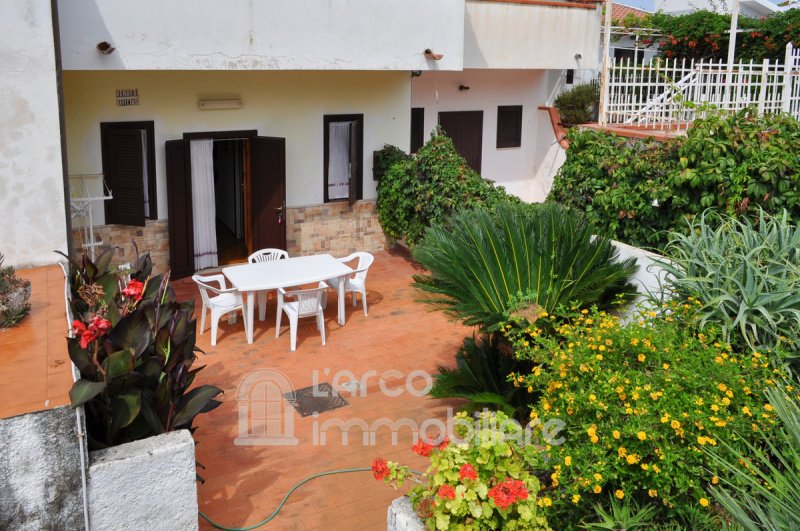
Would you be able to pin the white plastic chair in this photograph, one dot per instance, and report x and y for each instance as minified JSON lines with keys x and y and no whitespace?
{"x":358,"y":282}
{"x":226,"y":300}
{"x":265,"y":255}
{"x":308,"y":304}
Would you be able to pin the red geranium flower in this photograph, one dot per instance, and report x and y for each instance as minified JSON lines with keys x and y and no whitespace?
{"x":422,"y":448}
{"x":133,"y":290}
{"x":468,"y":472}
{"x":508,"y":492}
{"x":380,"y":468}
{"x":446,"y":492}
{"x":444,"y":443}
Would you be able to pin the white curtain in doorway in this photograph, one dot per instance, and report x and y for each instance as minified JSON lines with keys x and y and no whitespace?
{"x":203,"y":206}
{"x":339,"y":160}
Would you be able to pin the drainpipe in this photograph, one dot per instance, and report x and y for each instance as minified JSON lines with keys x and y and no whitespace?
{"x":603,"y":117}
{"x":732,"y":47}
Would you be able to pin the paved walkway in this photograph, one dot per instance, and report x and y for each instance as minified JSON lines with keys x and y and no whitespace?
{"x":34,"y":364}
{"x":244,"y":484}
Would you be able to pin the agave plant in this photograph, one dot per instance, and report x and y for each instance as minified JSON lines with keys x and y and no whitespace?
{"x":762,"y":491}
{"x":746,"y":275}
{"x":487,"y":265}
{"x":134,"y":346}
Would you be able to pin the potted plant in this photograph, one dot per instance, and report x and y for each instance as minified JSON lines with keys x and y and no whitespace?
{"x":482,"y":480}
{"x":14,"y":295}
{"x":134,"y":346}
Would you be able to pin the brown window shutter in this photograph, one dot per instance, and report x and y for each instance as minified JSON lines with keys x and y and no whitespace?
{"x":417,"y":128}
{"x":124,"y":169}
{"x":509,"y":126}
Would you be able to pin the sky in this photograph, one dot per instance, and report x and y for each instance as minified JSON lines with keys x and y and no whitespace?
{"x":648,"y":4}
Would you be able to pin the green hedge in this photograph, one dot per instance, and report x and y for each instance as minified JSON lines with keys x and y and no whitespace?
{"x":636,"y":191}
{"x":416,"y":193}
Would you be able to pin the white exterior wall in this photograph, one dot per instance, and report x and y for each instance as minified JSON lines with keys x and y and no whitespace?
{"x":528,"y":36}
{"x":31,"y":179}
{"x":262,"y":34}
{"x":282,"y":104}
{"x":748,"y":8}
{"x":522,"y":171}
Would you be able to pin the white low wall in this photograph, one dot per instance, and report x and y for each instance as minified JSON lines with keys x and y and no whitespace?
{"x":402,"y":517}
{"x":148,"y":484}
{"x":651,"y":278}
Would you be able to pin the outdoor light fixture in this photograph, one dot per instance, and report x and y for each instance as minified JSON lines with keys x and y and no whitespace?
{"x":215,"y":105}
{"x":463,"y":88}
{"x":105,"y":48}
{"x":416,"y":73}
{"x":578,"y":57}
{"x":430,"y":55}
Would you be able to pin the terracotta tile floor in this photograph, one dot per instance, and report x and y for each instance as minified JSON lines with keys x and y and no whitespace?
{"x":34,"y":365}
{"x":244,"y":484}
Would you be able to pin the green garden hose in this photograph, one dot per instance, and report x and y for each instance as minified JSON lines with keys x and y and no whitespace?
{"x":269,"y":518}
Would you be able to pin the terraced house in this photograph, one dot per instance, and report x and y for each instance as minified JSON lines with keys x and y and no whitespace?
{"x":204,"y":129}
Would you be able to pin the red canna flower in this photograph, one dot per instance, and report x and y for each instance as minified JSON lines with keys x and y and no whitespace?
{"x":97,"y":327}
{"x":133,"y":290}
{"x":446,"y":492}
{"x":380,"y":468}
{"x":468,"y":472}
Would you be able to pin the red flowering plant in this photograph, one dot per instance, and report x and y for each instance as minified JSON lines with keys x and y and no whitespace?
{"x":134,"y":345}
{"x":482,"y":479}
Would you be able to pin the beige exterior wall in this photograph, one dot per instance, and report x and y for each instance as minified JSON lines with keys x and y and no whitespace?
{"x":153,"y":238}
{"x":336,"y":228}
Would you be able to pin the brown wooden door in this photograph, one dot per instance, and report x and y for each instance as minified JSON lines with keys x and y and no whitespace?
{"x":123,"y":167}
{"x":267,"y":177}
{"x":466,"y":130}
{"x":179,"y":203}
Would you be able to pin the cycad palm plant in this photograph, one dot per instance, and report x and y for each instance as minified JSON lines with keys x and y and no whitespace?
{"x":485,"y":265}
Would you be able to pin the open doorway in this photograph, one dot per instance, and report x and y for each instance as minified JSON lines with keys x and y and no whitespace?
{"x":226,"y":198}
{"x":229,"y":169}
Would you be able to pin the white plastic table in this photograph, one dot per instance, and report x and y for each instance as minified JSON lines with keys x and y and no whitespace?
{"x":250,"y":278}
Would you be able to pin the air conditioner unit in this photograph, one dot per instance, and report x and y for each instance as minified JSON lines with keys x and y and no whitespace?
{"x":215,"y":105}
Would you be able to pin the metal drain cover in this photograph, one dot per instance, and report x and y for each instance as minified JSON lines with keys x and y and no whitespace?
{"x":315,"y":399}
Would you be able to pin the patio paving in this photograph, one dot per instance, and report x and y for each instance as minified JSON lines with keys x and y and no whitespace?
{"x":244,"y":484}
{"x":34,"y":364}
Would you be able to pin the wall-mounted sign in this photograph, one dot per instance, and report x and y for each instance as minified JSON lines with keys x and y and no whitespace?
{"x":127,"y":97}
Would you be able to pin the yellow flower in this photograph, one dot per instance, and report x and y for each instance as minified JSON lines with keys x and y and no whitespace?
{"x":632,"y":459}
{"x":722,"y":387}
{"x":601,"y":348}
{"x":584,"y":311}
{"x":598,"y":477}
{"x":656,"y":469}
{"x":576,"y":498}
{"x":615,"y":434}
{"x":704,"y":502}
{"x":652,"y":493}
{"x":592,"y":397}
{"x":547,"y":502}
{"x":622,"y":451}
{"x":597,"y":489}
{"x":641,"y":436}
{"x":769,"y":407}
{"x":641,"y":358}
{"x":666,"y":366}
{"x":599,"y":357}
{"x":645,"y":466}
{"x":675,"y":425}
{"x":568,"y":460}
{"x":619,"y":494}
{"x":714,"y":480}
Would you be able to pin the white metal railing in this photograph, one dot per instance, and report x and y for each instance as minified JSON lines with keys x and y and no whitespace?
{"x":665,"y":94}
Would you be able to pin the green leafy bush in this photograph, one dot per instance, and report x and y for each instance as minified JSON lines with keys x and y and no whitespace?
{"x":481,"y":377}
{"x":134,"y":347}
{"x":580,"y":104}
{"x":518,"y":259}
{"x":746,"y":275}
{"x":385,"y":158}
{"x":415,"y":194}
{"x":482,"y":482}
{"x":14,"y":295}
{"x":637,"y":191}
{"x":763,"y":494}
{"x":640,"y":402}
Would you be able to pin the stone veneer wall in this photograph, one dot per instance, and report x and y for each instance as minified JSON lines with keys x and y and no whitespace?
{"x":335,"y":228}
{"x":152,"y":238}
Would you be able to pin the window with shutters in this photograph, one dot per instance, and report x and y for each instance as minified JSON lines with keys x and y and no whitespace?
{"x":417,"y":128}
{"x":509,"y":126}
{"x":128,"y":151}
{"x":343,"y":156}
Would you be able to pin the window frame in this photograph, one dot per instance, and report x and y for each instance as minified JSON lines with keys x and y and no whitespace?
{"x":149,"y":127}
{"x":328,"y":119}
{"x":516,"y":142}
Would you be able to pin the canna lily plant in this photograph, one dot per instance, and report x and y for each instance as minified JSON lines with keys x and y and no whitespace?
{"x":134,"y":345}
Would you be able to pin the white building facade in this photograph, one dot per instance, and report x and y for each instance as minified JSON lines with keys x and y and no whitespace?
{"x":224,"y":127}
